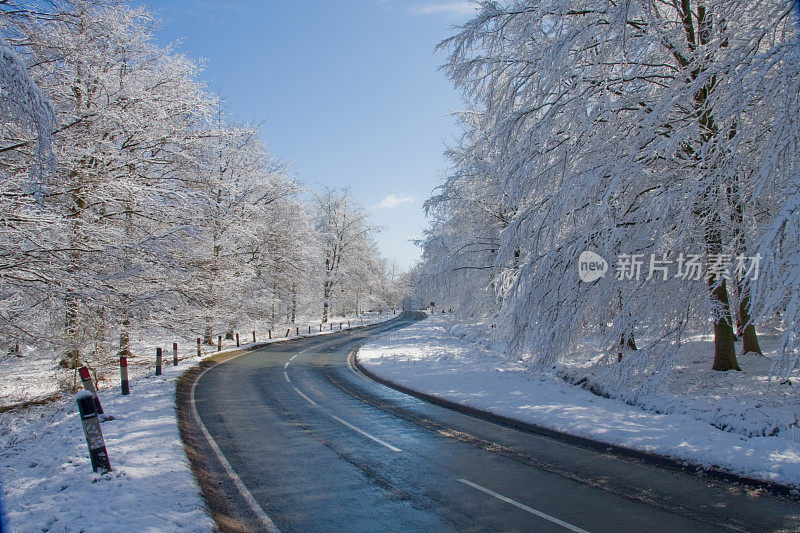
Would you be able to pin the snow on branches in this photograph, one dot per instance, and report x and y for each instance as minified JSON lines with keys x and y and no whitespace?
{"x":651,"y":128}
{"x":152,"y":208}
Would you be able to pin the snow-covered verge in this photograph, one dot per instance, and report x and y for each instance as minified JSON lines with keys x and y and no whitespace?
{"x":32,"y":376}
{"x":48,"y":483}
{"x":443,"y":358}
{"x":47,"y":479}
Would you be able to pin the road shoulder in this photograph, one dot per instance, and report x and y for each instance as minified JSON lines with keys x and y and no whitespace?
{"x":424,"y":360}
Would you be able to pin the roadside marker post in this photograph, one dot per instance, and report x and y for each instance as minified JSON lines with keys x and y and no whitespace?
{"x":348,"y":323}
{"x":320,"y":327}
{"x":123,"y":374}
{"x":93,"y":432}
{"x":331,"y":324}
{"x":174,"y":354}
{"x":254,"y":336}
{"x":269,"y":331}
{"x":158,"y":361}
{"x":219,"y":343}
{"x":298,"y":330}
{"x":88,"y":384}
{"x":237,"y":340}
{"x":199,"y":352}
{"x":309,"y":330}
{"x":287,"y":331}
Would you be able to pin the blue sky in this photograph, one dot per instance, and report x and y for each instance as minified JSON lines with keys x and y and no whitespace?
{"x":348,"y":90}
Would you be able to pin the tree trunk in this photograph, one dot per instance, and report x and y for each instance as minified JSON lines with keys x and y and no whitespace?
{"x":124,"y":341}
{"x":627,"y":341}
{"x":125,"y":330}
{"x":72,"y":357}
{"x":294,"y":303}
{"x":749,"y":336}
{"x":326,"y":293}
{"x":207,"y":336}
{"x":724,"y":347}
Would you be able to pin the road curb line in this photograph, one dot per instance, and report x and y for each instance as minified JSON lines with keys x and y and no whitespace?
{"x":258,"y":511}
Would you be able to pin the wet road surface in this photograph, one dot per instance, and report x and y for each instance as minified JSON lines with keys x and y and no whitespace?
{"x":314,"y":445}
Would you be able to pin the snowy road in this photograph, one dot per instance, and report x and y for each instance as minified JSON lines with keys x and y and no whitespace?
{"x":310,"y":444}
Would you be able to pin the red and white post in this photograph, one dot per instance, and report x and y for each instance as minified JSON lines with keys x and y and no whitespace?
{"x":199,"y":351}
{"x":174,"y":354}
{"x":123,"y":375}
{"x":237,"y":340}
{"x":158,"y":361}
{"x":88,"y":384}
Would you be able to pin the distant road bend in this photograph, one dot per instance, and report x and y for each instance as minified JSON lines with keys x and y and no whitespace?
{"x":294,"y":438}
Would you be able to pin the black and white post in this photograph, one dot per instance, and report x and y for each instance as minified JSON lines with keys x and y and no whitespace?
{"x":93,"y":432}
{"x":219,"y":343}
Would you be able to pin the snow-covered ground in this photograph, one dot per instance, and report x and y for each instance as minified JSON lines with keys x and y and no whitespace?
{"x":47,"y":479}
{"x":733,"y":421}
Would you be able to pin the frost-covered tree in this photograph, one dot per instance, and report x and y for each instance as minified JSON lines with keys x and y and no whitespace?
{"x":125,"y":109}
{"x":348,"y":252}
{"x":633,"y":128}
{"x":27,"y":122}
{"x":130,"y":201}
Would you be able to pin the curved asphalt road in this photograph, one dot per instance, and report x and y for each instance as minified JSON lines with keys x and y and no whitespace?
{"x":319,"y":447}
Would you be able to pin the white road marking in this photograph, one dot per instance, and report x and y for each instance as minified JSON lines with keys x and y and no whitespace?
{"x":350,"y":364}
{"x":309,"y":400}
{"x":287,"y":363}
{"x":295,"y":355}
{"x":286,"y":377}
{"x":524,"y":507}
{"x":262,"y":516}
{"x":376,"y":439}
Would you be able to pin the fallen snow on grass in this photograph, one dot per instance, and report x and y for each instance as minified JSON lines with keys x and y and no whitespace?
{"x":47,"y":478}
{"x":48,"y":482}
{"x":435,"y":356}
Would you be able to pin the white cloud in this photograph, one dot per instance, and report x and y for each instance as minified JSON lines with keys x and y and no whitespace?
{"x":393,"y":200}
{"x":459,"y":8}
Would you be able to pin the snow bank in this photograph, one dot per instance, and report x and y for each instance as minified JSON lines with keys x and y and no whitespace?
{"x":464,"y":368}
{"x":48,"y":482}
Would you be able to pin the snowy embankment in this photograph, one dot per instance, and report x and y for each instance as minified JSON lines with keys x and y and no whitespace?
{"x":440,"y":357}
{"x":47,"y":478}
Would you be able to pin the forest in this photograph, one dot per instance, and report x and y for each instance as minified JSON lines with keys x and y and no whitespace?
{"x":132,"y":200}
{"x":657,"y":136}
